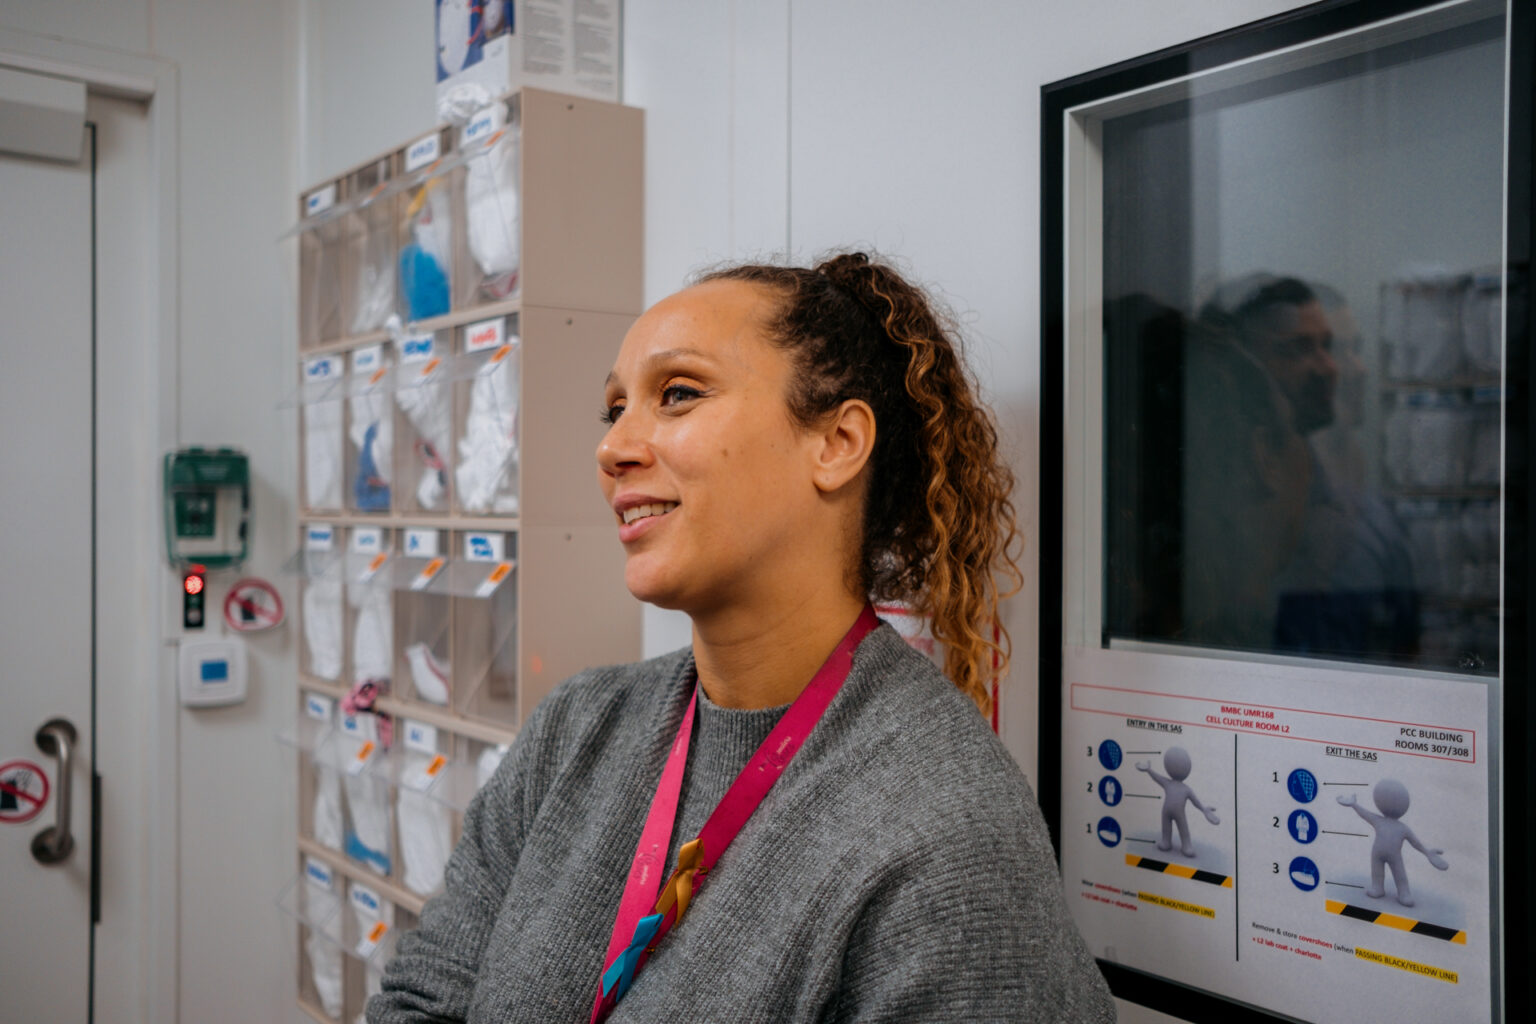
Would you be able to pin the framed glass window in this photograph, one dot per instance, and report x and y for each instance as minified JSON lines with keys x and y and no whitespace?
{"x":1284,"y":635}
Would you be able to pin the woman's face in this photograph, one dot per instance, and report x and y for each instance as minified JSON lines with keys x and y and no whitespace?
{"x":709,"y":478}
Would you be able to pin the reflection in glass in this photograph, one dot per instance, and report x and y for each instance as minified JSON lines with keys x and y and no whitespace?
{"x":1303,"y":350}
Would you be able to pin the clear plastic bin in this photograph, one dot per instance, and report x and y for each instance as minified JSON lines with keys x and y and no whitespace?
{"x":372,"y":251}
{"x":485,"y":647}
{"x":1421,"y":320}
{"x":320,"y":258}
{"x":427,"y":826}
{"x":422,"y":619}
{"x":370,"y":430}
{"x":320,"y":568}
{"x":424,"y":423}
{"x":489,"y":251}
{"x":319,"y":398}
{"x":370,"y":621}
{"x":486,"y":418}
{"x":424,"y":213}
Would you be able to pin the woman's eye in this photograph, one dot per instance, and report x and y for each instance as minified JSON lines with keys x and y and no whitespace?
{"x":610,"y":414}
{"x":675,"y":393}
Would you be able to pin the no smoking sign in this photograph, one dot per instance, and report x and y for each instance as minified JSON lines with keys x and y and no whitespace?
{"x":23,"y":792}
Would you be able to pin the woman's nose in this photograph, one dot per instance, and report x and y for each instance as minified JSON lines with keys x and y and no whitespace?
{"x":623,"y":446}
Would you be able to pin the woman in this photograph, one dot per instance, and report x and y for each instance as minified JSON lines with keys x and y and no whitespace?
{"x":782,"y":444}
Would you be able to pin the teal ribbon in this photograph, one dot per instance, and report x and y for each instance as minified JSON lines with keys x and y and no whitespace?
{"x":617,"y":977}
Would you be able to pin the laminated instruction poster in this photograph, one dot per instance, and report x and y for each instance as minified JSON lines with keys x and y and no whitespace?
{"x":1312,"y":841}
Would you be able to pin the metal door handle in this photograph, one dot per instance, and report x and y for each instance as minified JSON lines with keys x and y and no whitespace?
{"x":54,"y":844}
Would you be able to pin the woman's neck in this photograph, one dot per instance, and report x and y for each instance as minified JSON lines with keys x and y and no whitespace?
{"x":748,"y":658}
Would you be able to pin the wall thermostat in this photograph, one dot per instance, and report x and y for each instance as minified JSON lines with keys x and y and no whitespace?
{"x":211,"y":670}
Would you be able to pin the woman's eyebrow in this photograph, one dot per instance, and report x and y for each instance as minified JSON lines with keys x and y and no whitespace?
{"x":664,"y":356}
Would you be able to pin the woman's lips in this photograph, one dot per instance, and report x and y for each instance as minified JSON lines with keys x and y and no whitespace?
{"x":643,"y":518}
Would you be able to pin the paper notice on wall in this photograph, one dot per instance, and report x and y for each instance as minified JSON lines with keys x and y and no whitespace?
{"x":1305,"y":839}
{"x":568,"y":46}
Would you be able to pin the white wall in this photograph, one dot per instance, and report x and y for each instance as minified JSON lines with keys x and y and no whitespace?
{"x":214,"y":816}
{"x":772,"y":125}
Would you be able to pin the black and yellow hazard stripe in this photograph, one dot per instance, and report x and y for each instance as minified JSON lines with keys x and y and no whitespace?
{"x":1182,"y":870}
{"x":1406,"y":924}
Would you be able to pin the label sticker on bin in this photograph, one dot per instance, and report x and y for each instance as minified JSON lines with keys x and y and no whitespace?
{"x":370,"y":942}
{"x":322,"y":368}
{"x":428,"y":571}
{"x":319,"y":537}
{"x":319,"y":707}
{"x":422,"y":778}
{"x":416,"y":349}
{"x":369,"y":540}
{"x":422,"y":152}
{"x":317,"y":873}
{"x":483,"y":125}
{"x":320,"y":200}
{"x":484,"y":547}
{"x":421,"y":737}
{"x":421,"y":543}
{"x":485,"y":334}
{"x":367,"y":359}
{"x":488,"y":586}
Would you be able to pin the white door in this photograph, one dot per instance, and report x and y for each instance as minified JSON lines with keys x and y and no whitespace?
{"x":47,"y":631}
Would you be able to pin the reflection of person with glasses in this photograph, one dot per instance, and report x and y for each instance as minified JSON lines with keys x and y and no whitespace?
{"x":1348,"y":589}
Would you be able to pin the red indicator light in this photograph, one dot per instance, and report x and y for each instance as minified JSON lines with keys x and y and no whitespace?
{"x":194,"y":584}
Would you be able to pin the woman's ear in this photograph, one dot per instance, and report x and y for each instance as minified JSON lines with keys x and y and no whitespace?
{"x":842,"y":445}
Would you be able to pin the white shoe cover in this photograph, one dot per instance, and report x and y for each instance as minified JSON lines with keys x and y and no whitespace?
{"x":372,"y":634}
{"x":322,"y":627}
{"x":428,"y":674}
{"x":426,"y":833}
{"x":368,"y":802}
{"x":322,"y":454}
{"x":325,"y":969}
{"x":328,"y":825}
{"x":372,"y":413}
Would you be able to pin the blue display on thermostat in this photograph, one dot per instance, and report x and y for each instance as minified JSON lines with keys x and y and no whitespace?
{"x":215,"y":671}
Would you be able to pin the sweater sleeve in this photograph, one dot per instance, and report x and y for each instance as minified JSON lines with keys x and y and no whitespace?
{"x":973,"y":929}
{"x":433,"y":973}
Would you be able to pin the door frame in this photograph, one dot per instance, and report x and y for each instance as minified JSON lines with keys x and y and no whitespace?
{"x":152,"y":980}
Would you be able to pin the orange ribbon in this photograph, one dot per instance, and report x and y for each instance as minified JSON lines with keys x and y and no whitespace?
{"x":678,"y":889}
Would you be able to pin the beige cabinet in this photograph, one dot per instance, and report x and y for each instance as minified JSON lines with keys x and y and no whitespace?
{"x":461,"y":300}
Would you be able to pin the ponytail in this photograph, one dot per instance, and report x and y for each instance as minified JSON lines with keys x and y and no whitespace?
{"x":939,"y":527}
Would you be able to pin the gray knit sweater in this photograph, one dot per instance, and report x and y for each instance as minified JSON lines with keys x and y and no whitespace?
{"x":898,"y":871}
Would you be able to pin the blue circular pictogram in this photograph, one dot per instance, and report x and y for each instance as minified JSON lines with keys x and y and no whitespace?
{"x":1109,"y":754}
{"x":1304,"y":874}
{"x":1109,"y":831}
{"x":1302,"y":785}
{"x":1110,"y":791}
{"x":1302,"y":826}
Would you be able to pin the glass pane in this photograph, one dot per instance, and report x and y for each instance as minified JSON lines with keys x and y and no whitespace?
{"x":1302,"y":364}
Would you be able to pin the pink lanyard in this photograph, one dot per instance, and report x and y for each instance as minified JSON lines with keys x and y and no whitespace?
{"x":636,"y":933}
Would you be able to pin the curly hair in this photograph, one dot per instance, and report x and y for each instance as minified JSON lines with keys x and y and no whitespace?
{"x":939,"y":531}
